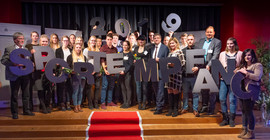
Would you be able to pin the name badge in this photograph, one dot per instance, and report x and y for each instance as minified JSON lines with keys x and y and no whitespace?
{"x":174,"y":55}
{"x":145,"y":52}
{"x":210,"y":51}
{"x":125,"y":57}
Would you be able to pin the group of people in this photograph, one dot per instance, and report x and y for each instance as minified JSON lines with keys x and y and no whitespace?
{"x":156,"y":95}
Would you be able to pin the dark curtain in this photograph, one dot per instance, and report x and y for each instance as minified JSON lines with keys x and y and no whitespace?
{"x":78,"y":16}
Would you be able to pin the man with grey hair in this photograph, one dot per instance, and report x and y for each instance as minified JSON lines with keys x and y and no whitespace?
{"x":17,"y":81}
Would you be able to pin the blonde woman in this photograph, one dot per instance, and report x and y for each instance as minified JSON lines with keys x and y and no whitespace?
{"x":54,"y":41}
{"x":80,"y":41}
{"x":77,"y":84}
{"x":87,"y":91}
{"x":175,"y":80}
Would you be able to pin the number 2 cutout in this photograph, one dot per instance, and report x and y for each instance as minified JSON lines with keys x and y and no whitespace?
{"x":100,"y":27}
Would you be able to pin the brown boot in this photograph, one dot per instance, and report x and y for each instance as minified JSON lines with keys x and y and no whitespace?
{"x":243,"y":132}
{"x":76,"y":109}
{"x":79,"y":108}
{"x":250,"y":135}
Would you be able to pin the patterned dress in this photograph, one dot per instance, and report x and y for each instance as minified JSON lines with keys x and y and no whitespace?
{"x":175,"y":80}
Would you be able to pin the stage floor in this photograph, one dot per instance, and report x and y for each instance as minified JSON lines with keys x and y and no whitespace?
{"x":156,"y":127}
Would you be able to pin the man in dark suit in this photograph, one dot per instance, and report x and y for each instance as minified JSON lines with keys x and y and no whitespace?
{"x":157,"y":52}
{"x":212,"y":47}
{"x":17,"y":81}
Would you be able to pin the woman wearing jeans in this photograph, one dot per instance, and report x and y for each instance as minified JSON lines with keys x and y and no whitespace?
{"x":231,"y":52}
{"x":253,"y":72}
{"x":141,"y":52}
{"x":77,"y":82}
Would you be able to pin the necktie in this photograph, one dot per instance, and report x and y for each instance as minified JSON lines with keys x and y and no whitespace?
{"x":156,"y":52}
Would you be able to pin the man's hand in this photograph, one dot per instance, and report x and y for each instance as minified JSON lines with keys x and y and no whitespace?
{"x":195,"y":69}
{"x":208,"y":68}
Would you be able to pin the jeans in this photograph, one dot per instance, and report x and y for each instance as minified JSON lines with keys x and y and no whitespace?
{"x":108,"y":82}
{"x":77,"y":90}
{"x":223,"y":93}
{"x":188,"y":84}
{"x":141,"y":89}
{"x":248,"y":119}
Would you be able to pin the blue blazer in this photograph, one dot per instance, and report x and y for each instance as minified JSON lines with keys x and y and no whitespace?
{"x":162,"y":53}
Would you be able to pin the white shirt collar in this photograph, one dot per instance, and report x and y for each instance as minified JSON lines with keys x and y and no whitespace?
{"x":17,"y":47}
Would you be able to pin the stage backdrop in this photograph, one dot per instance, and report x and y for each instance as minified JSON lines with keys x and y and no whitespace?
{"x":78,"y":16}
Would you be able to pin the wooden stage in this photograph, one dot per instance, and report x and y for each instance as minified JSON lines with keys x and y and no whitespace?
{"x":72,"y":126}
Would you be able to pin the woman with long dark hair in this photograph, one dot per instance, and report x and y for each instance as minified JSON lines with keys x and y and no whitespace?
{"x":253,"y":72}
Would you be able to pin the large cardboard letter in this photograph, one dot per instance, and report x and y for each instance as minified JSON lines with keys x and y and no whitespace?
{"x":194,"y":57}
{"x":16,"y":57}
{"x":145,"y":72}
{"x":84,"y":70}
{"x":237,"y":88}
{"x":218,"y":68}
{"x":96,"y":57}
{"x":204,"y":75}
{"x":166,"y":71}
{"x":50,"y":67}
{"x":115,"y":66}
{"x":39,"y":58}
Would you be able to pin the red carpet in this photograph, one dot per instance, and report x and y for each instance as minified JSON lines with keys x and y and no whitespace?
{"x":114,"y":126}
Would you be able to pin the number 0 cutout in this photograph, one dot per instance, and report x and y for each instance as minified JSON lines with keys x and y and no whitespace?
{"x":122,"y":27}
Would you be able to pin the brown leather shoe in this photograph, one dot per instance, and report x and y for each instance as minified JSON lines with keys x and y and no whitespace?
{"x":79,"y":108}
{"x":196,"y":113}
{"x":76,"y":109}
{"x":184,"y":111}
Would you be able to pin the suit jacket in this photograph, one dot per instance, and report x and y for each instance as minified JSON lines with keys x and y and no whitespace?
{"x":6,"y":61}
{"x":162,"y":53}
{"x":213,"y":50}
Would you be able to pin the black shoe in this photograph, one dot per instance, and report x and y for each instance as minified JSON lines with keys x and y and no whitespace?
{"x":154,"y":109}
{"x":29,"y":113}
{"x":96,"y":106}
{"x":49,"y":110}
{"x":204,"y":109}
{"x":210,"y":113}
{"x":158,"y":112}
{"x":91,"y":107}
{"x":15,"y":116}
{"x":123,"y":106}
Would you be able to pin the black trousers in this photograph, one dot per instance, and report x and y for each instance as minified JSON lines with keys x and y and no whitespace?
{"x":125,"y":82}
{"x":22,"y":82}
{"x":93,"y":96}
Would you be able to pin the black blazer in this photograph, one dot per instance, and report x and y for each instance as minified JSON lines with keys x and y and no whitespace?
{"x":60,"y":54}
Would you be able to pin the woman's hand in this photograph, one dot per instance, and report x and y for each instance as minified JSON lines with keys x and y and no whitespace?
{"x":106,"y":72}
{"x":243,"y":70}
